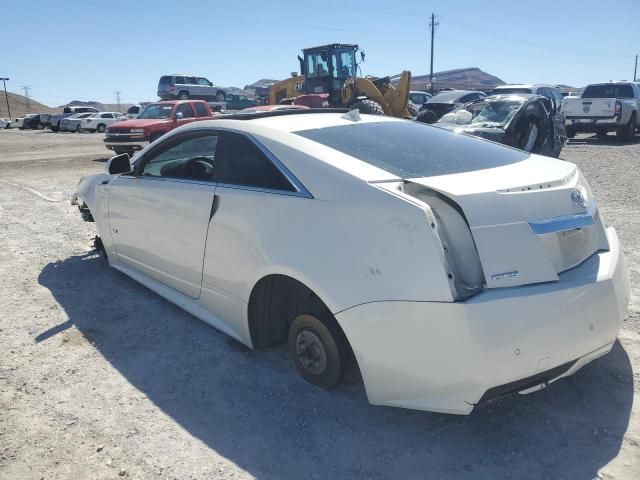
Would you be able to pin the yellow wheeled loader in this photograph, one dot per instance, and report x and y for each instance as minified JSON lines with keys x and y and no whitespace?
{"x":329,"y":79}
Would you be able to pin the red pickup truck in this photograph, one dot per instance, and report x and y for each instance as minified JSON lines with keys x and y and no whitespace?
{"x":154,"y":121}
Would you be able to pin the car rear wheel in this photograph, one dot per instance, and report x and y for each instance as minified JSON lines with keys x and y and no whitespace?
{"x":629,"y":130}
{"x":602,"y":134}
{"x":571,"y":133}
{"x":101,"y":128}
{"x":220,"y":97}
{"x":427,"y":116}
{"x":317,"y":350}
{"x":183,"y":96}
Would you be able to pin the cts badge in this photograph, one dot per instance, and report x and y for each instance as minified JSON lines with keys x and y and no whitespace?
{"x":505,"y":275}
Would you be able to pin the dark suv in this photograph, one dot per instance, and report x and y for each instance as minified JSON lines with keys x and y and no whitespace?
{"x":185,"y":87}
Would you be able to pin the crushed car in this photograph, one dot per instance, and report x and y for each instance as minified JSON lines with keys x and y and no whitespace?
{"x":444,"y":102}
{"x":529,"y":122}
{"x":449,"y":270}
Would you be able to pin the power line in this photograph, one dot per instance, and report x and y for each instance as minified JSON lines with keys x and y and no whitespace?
{"x":25,"y":89}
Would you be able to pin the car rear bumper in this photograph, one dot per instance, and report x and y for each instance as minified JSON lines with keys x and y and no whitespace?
{"x":447,"y":357}
{"x":586,"y":124}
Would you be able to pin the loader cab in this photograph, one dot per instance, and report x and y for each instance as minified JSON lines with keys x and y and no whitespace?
{"x":327,"y":67}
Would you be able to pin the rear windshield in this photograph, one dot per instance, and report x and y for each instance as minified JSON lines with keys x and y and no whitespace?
{"x":412,"y":149}
{"x":510,"y":91}
{"x":608,"y":91}
{"x":165,"y":79}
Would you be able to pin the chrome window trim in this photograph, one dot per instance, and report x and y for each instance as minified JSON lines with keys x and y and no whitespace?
{"x":300,"y":190}
{"x":564,"y":223}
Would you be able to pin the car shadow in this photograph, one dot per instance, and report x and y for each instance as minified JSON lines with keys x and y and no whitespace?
{"x":610,"y":140}
{"x":253,"y":409}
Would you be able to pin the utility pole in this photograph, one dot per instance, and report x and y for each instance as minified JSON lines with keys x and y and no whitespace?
{"x":26,"y":89}
{"x":432,"y":25}
{"x":635,"y":69}
{"x":117,"y":94}
{"x":6,"y":97}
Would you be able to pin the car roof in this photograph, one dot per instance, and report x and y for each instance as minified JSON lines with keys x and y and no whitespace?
{"x":295,"y":120}
{"x":525,"y":85}
{"x":451,"y":95}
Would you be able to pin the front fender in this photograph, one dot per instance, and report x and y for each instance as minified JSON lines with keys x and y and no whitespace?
{"x":86,"y":190}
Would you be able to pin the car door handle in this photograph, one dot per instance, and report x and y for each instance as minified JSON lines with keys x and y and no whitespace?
{"x":214,"y":206}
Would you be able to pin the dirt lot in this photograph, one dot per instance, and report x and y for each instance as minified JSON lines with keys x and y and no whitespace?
{"x":100,"y":378}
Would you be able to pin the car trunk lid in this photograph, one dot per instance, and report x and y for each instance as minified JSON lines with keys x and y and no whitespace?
{"x":530,"y":221}
{"x":589,"y":107}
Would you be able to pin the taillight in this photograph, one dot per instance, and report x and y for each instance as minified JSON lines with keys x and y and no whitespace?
{"x":172,"y":88}
{"x":618,"y":108}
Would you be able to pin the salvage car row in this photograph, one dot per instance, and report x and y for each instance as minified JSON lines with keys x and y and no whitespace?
{"x":537,"y":118}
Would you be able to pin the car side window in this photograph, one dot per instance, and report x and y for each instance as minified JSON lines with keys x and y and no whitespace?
{"x":204,"y":82}
{"x":180,"y":81}
{"x":201,"y":110}
{"x":105,"y":115}
{"x":189,"y":157}
{"x":240,"y":162}
{"x":185,"y":109}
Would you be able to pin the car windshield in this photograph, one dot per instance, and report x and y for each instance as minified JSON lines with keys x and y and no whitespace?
{"x":156,"y":111}
{"x":486,"y":113}
{"x":412,"y":149}
{"x":608,"y":90}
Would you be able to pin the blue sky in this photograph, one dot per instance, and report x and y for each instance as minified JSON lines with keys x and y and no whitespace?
{"x":87,"y":49}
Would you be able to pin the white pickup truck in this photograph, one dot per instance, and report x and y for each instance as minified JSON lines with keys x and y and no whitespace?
{"x":604,"y":107}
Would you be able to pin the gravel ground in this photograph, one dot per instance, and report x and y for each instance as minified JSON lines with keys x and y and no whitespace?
{"x":100,"y":378}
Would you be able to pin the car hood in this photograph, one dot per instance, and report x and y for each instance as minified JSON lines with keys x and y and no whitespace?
{"x":139,"y":123}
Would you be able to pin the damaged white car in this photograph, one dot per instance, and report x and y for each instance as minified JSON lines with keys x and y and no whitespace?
{"x":450,"y":270}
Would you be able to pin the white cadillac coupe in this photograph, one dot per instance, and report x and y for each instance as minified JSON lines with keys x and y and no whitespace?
{"x":451,"y":270}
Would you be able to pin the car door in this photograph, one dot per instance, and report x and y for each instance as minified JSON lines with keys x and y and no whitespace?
{"x":255,"y":194}
{"x":159,"y":215}
{"x":188,"y":114}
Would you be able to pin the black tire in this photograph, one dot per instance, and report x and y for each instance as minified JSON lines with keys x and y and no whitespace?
{"x":220,"y":96}
{"x":183,"y":95}
{"x":629,"y":130}
{"x":368,"y":107}
{"x":602,"y":134}
{"x":101,"y":128}
{"x":427,"y":116}
{"x":318,"y":349}
{"x":56,"y":127}
{"x":413,"y":110}
{"x":39,"y":126}
{"x":571,"y":133}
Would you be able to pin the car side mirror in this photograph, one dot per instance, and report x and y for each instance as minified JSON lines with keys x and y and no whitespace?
{"x":179,"y":115}
{"x":119,"y":164}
